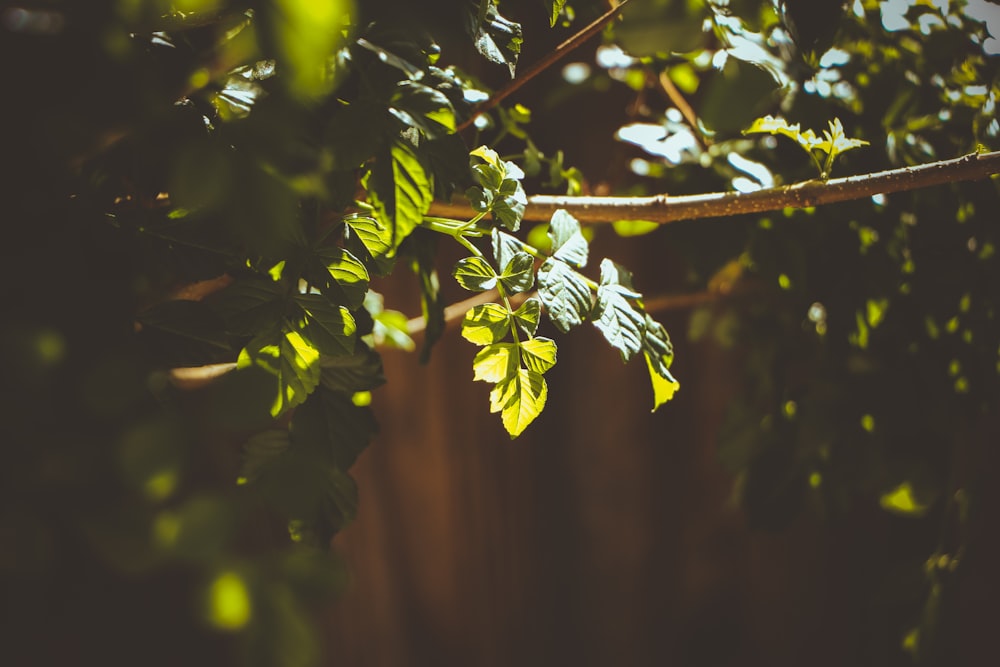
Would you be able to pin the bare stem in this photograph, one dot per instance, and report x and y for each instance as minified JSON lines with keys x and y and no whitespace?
{"x":664,"y":208}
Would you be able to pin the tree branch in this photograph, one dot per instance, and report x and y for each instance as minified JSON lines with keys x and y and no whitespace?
{"x":664,"y":208}
{"x":550,"y":58}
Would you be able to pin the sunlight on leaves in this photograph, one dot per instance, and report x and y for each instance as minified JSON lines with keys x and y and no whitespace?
{"x":485,"y":324}
{"x":565,"y":294}
{"x":291,"y":359}
{"x":519,"y":398}
{"x":475,"y":274}
{"x":229,"y":602}
{"x":495,"y":362}
{"x":903,"y":501}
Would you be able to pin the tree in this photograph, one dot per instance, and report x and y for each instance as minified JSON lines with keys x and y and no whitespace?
{"x":202,"y":194}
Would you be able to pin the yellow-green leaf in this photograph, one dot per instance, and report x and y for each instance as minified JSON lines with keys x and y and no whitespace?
{"x":539,"y":354}
{"x":495,"y":362}
{"x":664,"y":386}
{"x":486,"y":323}
{"x":520,"y":399}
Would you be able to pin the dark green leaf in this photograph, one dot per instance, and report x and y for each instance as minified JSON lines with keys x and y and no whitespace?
{"x":351,"y":373}
{"x":568,"y":243}
{"x":519,"y":274}
{"x":423,"y":251}
{"x":190,"y":319}
{"x":260,"y":450}
{"x":505,"y":247}
{"x":423,"y":107}
{"x":475,"y":274}
{"x":330,"y":423}
{"x":485,"y":324}
{"x":496,"y":38}
{"x":250,"y":306}
{"x":510,"y":204}
{"x":564,"y":293}
{"x":622,"y":324}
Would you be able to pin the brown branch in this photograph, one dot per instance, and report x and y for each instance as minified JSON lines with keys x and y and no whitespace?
{"x":682,"y":105}
{"x":547,"y":61}
{"x":664,"y":208}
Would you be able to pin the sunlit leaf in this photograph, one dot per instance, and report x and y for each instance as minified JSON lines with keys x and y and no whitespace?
{"x":329,"y":327}
{"x":293,"y":362}
{"x":486,"y":323}
{"x":519,"y":398}
{"x":659,"y":354}
{"x":528,"y":315}
{"x":376,"y":237}
{"x":307,"y":33}
{"x":401,"y":190}
{"x":538,"y":354}
{"x":555,"y":8}
{"x":340,"y":275}
{"x":495,"y":362}
{"x":475,"y":274}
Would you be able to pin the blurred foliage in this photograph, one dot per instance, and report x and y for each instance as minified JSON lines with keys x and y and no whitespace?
{"x":216,"y":182}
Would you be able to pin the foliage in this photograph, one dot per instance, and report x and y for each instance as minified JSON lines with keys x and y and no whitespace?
{"x":216,"y":184}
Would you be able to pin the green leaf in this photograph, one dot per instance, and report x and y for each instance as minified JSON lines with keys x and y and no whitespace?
{"x":340,"y":275}
{"x":568,"y":243}
{"x":422,"y":247}
{"x":307,"y":34}
{"x":622,"y":324}
{"x":423,"y":107}
{"x":351,"y":373}
{"x":475,"y":274}
{"x":555,"y":8}
{"x":260,"y":450}
{"x":193,"y":320}
{"x":495,"y":362}
{"x":664,"y":384}
{"x":538,"y":354}
{"x":330,"y":328}
{"x":618,"y":276}
{"x":376,"y":237}
{"x":510,"y":204}
{"x":485,"y":324}
{"x":496,"y":38}
{"x":564,"y":293}
{"x":520,"y":398}
{"x":249,"y":307}
{"x":519,"y":274}
{"x":400,"y":190}
{"x":659,"y":353}
{"x":291,"y":359}
{"x":505,"y":246}
{"x":528,"y":315}
{"x":330,"y":424}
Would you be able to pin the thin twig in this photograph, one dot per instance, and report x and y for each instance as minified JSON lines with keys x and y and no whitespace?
{"x":682,"y":105}
{"x":547,"y":61}
{"x":664,"y":208}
